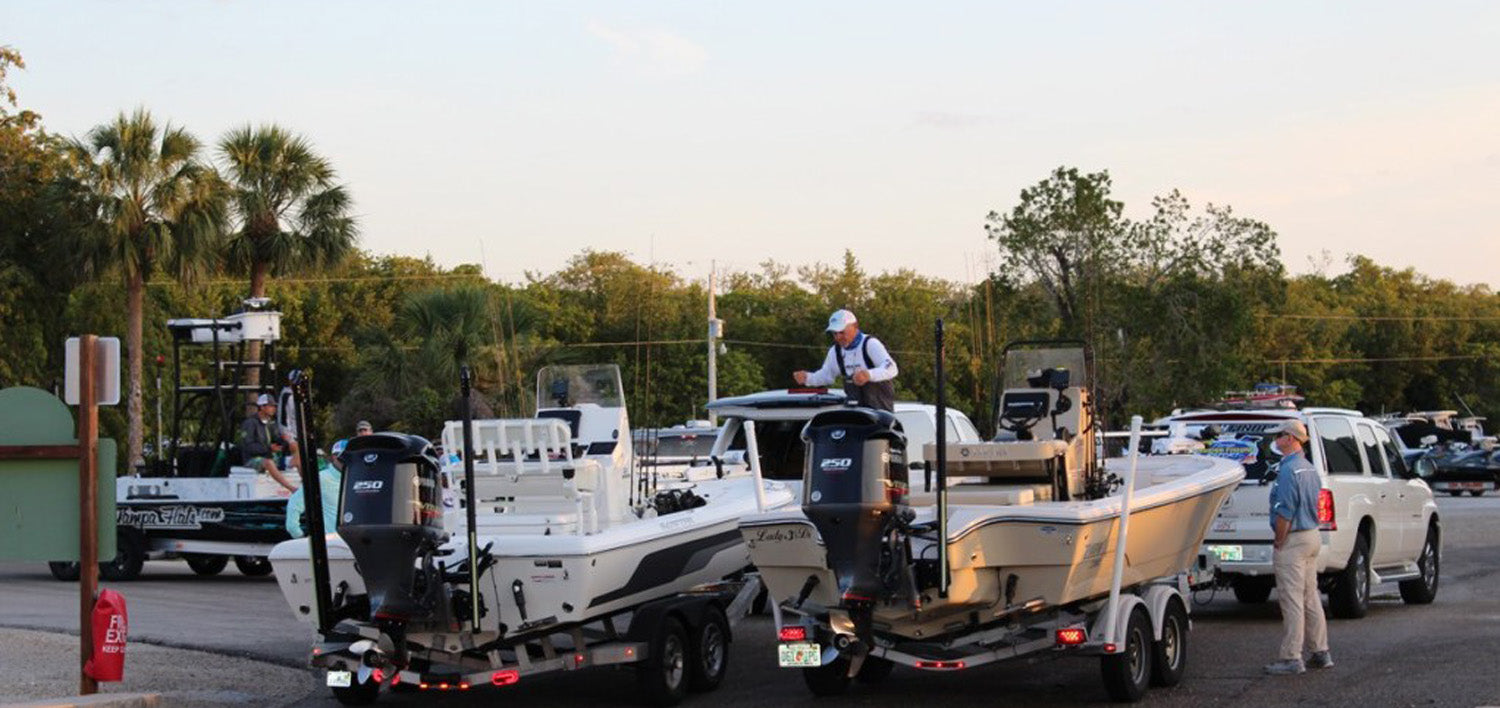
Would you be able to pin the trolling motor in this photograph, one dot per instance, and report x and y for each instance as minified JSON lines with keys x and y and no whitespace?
{"x":393,"y":523}
{"x":854,"y":493}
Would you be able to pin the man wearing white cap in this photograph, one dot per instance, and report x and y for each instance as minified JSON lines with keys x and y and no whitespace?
{"x":861,"y":360}
{"x":1294,"y":519}
{"x":262,"y":440}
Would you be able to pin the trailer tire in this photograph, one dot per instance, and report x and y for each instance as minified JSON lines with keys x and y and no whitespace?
{"x":1127,"y":674}
{"x":831,"y":679}
{"x":709,"y":652}
{"x":1169,"y":654}
{"x":358,"y":694}
{"x":206,"y":563}
{"x":130,"y":556}
{"x":252,"y":566}
{"x":663,"y":676}
{"x":1455,"y":492}
{"x":874,"y":670}
{"x":66,"y":571}
{"x":1476,"y":492}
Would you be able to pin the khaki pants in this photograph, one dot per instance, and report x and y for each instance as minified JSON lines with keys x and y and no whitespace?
{"x":1302,"y":620}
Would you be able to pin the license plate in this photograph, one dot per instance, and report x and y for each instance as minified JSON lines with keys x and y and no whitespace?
{"x":800,"y":654}
{"x":1228,"y":553}
{"x":340,"y":679}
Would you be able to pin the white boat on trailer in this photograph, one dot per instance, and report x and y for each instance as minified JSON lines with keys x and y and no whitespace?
{"x":564,"y":555}
{"x":1039,"y":554}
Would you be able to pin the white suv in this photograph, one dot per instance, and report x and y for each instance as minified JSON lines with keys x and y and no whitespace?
{"x":1377,"y":518}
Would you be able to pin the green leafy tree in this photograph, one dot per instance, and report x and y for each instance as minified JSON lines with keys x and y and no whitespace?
{"x":157,"y":207}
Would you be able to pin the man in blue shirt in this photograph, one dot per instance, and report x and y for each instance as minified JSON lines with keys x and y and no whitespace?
{"x":1294,"y":518}
{"x":330,"y":480}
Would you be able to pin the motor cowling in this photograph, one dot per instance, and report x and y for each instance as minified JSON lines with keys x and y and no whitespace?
{"x":854,"y":492}
{"x":392,"y":519}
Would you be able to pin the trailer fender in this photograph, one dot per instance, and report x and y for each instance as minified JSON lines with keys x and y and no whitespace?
{"x":1128,"y":602}
{"x":1156,"y":599}
{"x":689,"y":608}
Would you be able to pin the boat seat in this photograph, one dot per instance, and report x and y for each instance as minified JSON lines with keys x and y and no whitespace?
{"x":986,"y":495}
{"x":1015,"y":461}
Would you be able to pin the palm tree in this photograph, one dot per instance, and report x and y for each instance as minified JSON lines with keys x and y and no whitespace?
{"x":158,"y":207}
{"x":291,"y":214}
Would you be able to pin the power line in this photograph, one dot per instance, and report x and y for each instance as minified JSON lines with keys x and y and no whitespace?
{"x":1384,"y":318}
{"x":1340,"y":360}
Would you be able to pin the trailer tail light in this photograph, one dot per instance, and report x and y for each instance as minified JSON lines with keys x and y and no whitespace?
{"x":1071,"y":636}
{"x":377,"y":676}
{"x":1326,"y":522}
{"x":941,"y":665}
{"x":505,"y":678}
{"x":792,"y":634}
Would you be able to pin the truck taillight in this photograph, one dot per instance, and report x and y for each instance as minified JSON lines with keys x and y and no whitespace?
{"x":1326,"y":522}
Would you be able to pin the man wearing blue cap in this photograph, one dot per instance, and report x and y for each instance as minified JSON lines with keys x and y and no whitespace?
{"x":861,"y":360}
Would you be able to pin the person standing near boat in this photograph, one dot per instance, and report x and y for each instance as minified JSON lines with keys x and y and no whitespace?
{"x":861,"y":360}
{"x":1294,"y":518}
{"x":331,"y":481}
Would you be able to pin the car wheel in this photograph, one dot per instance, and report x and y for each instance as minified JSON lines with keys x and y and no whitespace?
{"x":252,"y":566}
{"x":1476,"y":492}
{"x":66,"y":571}
{"x":206,"y":564}
{"x":130,"y":557}
{"x":1423,"y":590}
{"x":1169,"y":654}
{"x":1252,"y":591}
{"x":1350,"y":596}
{"x":1127,"y":674}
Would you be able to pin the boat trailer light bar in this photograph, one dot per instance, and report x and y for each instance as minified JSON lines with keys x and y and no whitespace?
{"x":792,"y":634}
{"x":941,"y":665}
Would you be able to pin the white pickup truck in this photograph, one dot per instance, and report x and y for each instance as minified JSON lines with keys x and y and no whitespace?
{"x":1377,"y":518}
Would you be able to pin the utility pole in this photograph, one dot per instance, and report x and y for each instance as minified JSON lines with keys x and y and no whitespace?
{"x":715,"y":332}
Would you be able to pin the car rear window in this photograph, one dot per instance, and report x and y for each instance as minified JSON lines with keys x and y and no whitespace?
{"x":1340,"y":451}
{"x":1246,"y":443}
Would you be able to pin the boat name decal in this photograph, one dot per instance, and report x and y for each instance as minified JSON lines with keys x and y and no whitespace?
{"x":170,"y":517}
{"x":780,"y":535}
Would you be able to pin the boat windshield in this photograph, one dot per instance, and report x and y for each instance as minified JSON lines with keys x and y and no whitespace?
{"x":675,"y":445}
{"x":564,"y":386}
{"x":1022,"y":364}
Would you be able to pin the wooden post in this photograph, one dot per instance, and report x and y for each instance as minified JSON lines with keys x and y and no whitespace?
{"x":88,"y":510}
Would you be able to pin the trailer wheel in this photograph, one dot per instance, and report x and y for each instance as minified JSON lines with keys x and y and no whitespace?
{"x":1455,"y":492}
{"x":252,"y":566}
{"x":1476,"y":492}
{"x":710,"y":653}
{"x":1169,"y":654}
{"x":206,"y":564}
{"x":357,"y":694}
{"x":830,"y":679}
{"x":66,"y":571}
{"x":1128,"y":673}
{"x":874,"y":670}
{"x":130,"y":557}
{"x":663,"y":676}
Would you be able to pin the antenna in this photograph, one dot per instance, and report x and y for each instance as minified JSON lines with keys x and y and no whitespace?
{"x":942,"y":464}
{"x":312,"y":496}
{"x":465,"y":385}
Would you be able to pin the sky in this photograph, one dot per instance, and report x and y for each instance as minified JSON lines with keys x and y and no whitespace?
{"x":517,"y":134}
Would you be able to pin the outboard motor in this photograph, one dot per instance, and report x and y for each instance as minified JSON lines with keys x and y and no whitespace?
{"x":854,"y":492}
{"x":392,"y":519}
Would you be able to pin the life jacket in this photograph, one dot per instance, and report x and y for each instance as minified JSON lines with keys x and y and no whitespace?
{"x":880,"y":395}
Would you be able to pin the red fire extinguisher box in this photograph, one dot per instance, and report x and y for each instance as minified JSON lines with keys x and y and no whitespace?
{"x":110,"y":628}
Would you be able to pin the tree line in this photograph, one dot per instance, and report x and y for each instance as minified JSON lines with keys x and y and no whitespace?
{"x":138,"y":221}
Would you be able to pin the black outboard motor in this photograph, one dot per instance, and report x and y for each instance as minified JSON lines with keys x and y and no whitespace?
{"x":854,"y":492}
{"x":392,"y":519}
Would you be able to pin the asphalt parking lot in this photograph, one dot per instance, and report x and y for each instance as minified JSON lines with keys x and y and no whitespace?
{"x":230,"y":640}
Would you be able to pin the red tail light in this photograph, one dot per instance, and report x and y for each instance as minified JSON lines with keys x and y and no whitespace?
{"x":1071,"y":636}
{"x":792,"y":634}
{"x":1326,"y":522}
{"x":941,"y":665}
{"x":505,"y":678}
